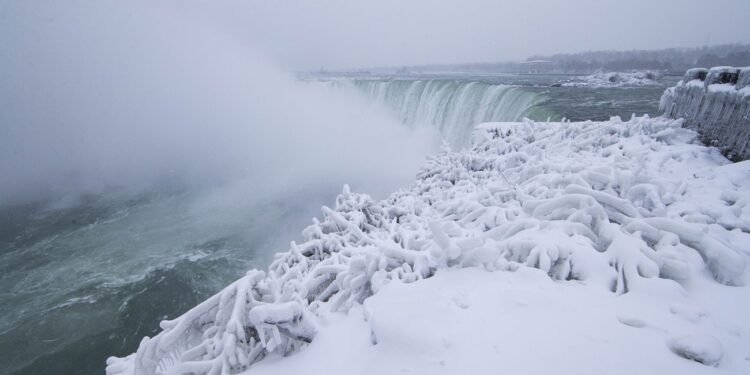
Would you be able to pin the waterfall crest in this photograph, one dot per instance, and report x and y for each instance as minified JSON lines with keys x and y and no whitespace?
{"x":454,"y":107}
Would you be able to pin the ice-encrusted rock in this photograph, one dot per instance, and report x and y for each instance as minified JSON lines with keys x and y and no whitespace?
{"x":614,"y":79}
{"x":695,"y":73}
{"x":625,"y":207}
{"x":716,"y":103}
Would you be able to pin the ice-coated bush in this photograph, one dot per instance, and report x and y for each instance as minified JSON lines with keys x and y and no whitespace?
{"x":609,"y":204}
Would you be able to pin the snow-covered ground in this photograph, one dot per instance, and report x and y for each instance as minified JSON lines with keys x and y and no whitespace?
{"x":589,"y":248}
{"x":477,"y":322}
{"x":614,"y":79}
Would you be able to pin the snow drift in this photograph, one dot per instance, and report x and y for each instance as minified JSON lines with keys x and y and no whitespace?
{"x":716,"y":103}
{"x":634,"y":215}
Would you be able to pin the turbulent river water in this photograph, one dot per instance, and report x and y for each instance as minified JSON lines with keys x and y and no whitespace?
{"x":87,"y":278}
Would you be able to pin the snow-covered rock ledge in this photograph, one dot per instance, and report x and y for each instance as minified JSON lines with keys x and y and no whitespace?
{"x":716,"y":103}
{"x":594,"y":247}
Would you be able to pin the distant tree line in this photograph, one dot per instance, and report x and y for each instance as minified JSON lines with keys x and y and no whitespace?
{"x":738,"y":59}
{"x":669,"y":60}
{"x":673,"y":60}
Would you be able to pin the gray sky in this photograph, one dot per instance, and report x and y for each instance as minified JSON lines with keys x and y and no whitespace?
{"x":308,"y":34}
{"x":312,"y":34}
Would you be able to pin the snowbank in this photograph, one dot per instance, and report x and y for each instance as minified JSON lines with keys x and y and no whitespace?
{"x":716,"y":103}
{"x":594,"y":247}
{"x":614,"y":79}
{"x":470,"y":321}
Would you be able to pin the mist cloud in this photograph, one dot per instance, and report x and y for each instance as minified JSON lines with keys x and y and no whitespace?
{"x":105,"y":94}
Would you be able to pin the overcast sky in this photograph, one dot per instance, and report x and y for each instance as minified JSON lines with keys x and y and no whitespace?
{"x":313,"y":34}
{"x":309,"y":34}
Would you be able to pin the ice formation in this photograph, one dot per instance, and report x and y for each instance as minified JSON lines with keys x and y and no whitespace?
{"x":633,"y":210}
{"x":716,"y":103}
{"x":615,"y":79}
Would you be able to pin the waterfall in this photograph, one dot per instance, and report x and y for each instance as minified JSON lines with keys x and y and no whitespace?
{"x":454,"y":107}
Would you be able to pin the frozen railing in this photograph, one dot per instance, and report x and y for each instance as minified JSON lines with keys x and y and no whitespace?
{"x":716,"y":103}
